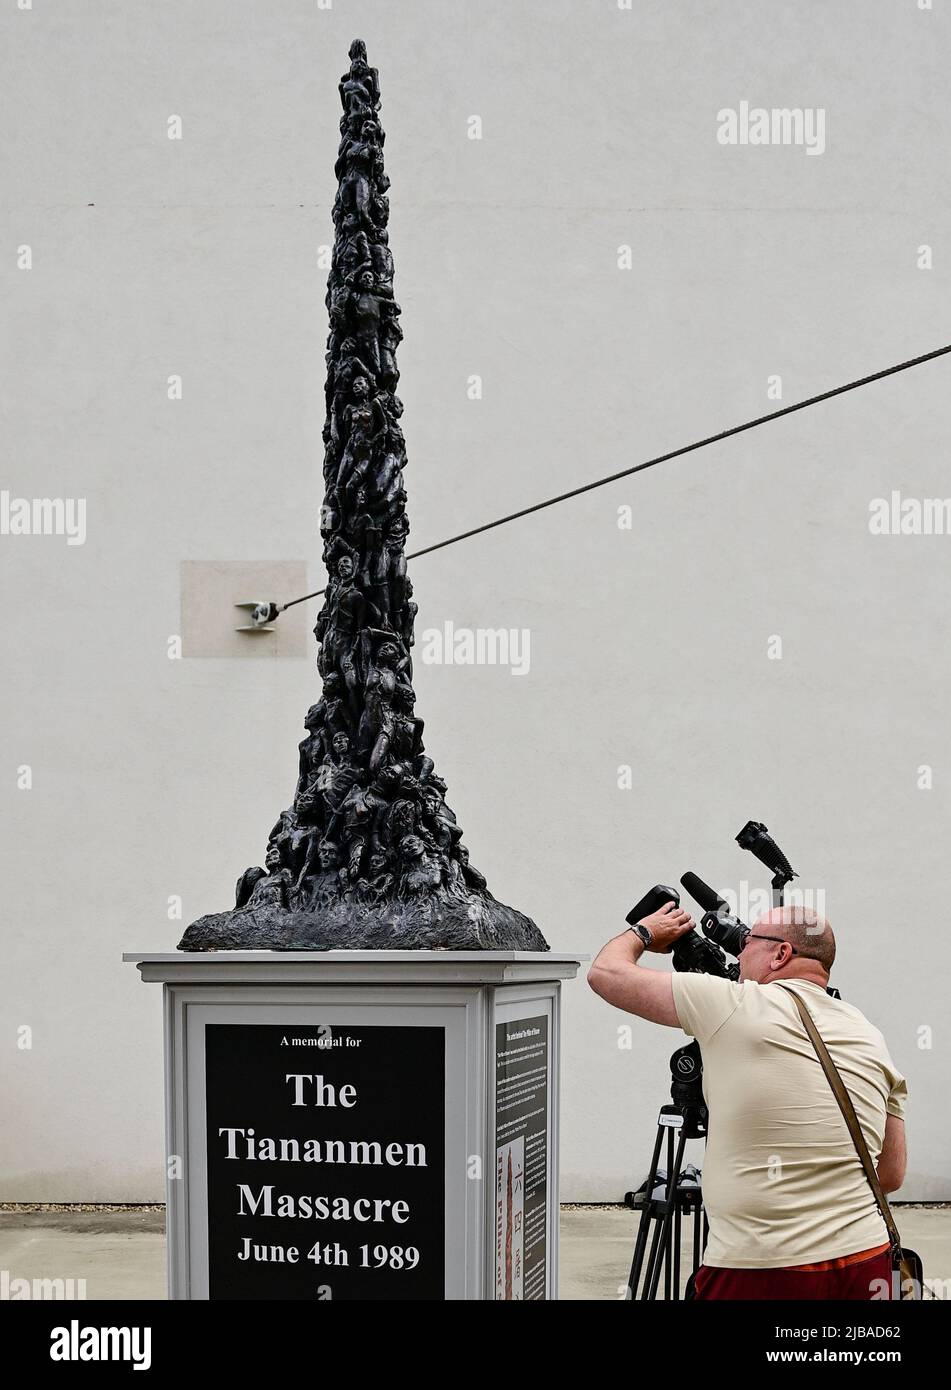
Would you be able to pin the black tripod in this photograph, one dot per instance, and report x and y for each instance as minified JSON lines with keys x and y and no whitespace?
{"x":663,"y":1204}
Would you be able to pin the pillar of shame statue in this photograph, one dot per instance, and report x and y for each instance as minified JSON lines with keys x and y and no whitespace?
{"x":368,"y":855}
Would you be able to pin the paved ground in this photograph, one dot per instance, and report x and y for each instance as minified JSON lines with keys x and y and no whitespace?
{"x":597,"y":1244}
{"x":121,"y":1252}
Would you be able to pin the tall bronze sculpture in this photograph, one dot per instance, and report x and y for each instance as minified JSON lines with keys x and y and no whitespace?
{"x":369,"y":854}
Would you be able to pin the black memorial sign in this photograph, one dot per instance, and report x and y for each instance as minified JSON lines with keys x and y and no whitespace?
{"x":521,"y":1158}
{"x":326,"y":1161}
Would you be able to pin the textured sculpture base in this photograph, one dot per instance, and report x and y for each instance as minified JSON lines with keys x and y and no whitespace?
{"x":476,"y":922}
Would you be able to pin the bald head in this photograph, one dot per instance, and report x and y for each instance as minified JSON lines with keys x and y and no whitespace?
{"x":804,"y":929}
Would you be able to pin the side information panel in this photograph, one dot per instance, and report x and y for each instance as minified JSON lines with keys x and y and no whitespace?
{"x":522,"y":1155}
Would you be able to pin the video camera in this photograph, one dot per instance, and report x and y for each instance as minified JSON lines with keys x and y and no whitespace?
{"x":691,"y":952}
{"x":723,"y":932}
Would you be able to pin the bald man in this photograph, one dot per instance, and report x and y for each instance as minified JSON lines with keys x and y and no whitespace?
{"x":791,"y":1212}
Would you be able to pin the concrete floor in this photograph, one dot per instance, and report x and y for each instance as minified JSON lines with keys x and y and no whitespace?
{"x":121,"y":1252}
{"x":597,"y":1244}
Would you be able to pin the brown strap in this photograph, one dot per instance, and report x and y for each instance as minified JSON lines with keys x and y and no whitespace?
{"x":848,"y":1114}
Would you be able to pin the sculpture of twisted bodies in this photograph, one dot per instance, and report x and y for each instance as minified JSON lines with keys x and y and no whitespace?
{"x":368,"y":853}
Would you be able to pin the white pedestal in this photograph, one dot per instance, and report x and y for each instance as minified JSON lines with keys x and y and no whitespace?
{"x":361,"y":1124}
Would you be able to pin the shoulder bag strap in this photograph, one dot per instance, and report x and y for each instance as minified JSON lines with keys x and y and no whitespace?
{"x":848,"y":1114}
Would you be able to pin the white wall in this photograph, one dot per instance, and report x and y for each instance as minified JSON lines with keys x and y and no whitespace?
{"x":152,"y":257}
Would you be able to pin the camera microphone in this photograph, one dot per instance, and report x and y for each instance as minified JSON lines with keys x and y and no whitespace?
{"x":718,"y":922}
{"x":703,"y":894}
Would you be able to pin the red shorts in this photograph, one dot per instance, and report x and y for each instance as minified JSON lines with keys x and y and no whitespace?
{"x":857,"y":1281}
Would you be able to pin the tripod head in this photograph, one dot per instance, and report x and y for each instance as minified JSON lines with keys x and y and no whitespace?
{"x":686,"y":1092}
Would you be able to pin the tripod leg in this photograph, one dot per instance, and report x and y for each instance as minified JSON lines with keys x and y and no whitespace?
{"x":644,"y":1224}
{"x":654,"y":1262}
{"x":701,"y":1231}
{"x":670,"y":1165}
{"x":672,"y":1179}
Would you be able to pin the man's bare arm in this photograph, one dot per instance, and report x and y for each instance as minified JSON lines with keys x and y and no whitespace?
{"x":617,"y":976}
{"x":892,"y":1159}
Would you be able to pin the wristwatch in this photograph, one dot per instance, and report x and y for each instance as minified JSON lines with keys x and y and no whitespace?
{"x":643,"y":932}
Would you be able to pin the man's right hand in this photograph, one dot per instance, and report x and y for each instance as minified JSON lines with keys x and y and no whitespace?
{"x":667,"y":927}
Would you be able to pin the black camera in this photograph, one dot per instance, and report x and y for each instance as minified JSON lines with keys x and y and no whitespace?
{"x":692,"y":953}
{"x":722,"y":929}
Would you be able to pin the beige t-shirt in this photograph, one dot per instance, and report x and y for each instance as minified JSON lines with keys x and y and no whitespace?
{"x":782,"y":1183}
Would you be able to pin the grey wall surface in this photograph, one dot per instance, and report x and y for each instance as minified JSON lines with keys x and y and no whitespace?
{"x":154,"y":778}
